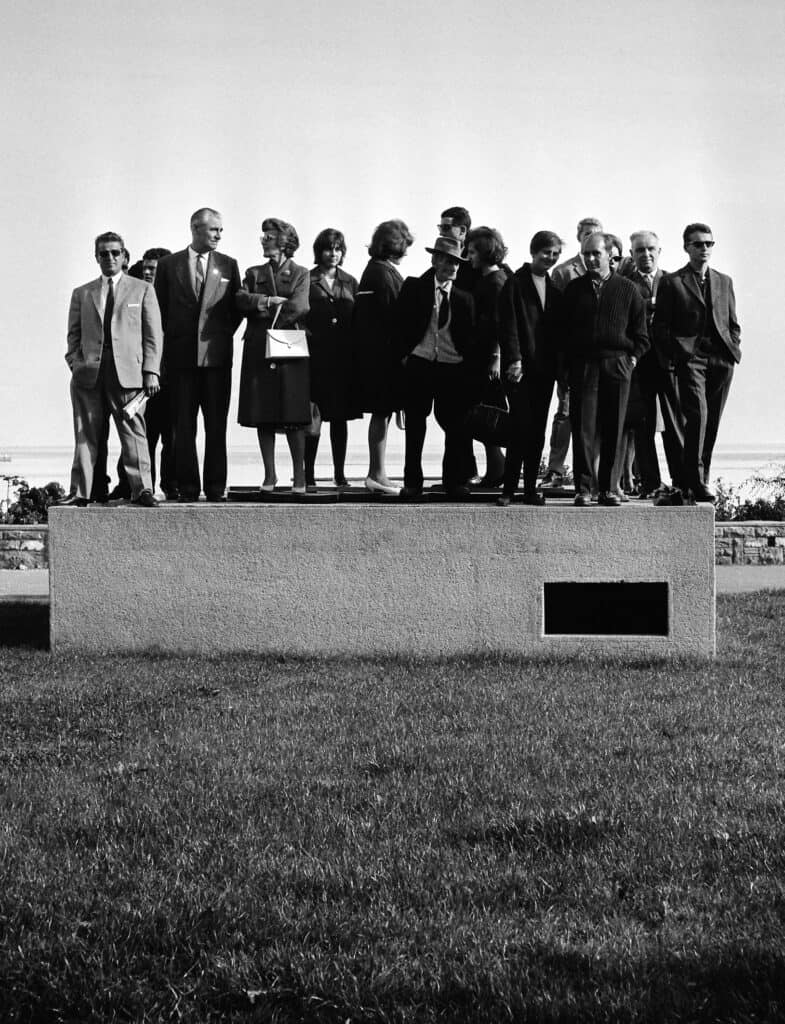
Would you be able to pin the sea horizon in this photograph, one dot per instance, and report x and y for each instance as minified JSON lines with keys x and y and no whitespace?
{"x":734,"y":463}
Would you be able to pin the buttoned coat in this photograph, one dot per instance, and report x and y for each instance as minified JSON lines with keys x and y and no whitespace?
{"x":329,"y":326}
{"x":527,"y":332}
{"x":198,"y":333}
{"x":273,"y":392}
{"x":136,"y":332}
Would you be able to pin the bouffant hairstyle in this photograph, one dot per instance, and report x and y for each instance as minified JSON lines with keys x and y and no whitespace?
{"x":391,"y":238}
{"x":615,"y":243}
{"x":489,"y":245}
{"x":288,"y":239}
{"x":545,"y":240}
{"x":326,"y":240}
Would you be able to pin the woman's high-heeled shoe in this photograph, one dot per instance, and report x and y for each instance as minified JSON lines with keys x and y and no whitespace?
{"x":269,"y":488}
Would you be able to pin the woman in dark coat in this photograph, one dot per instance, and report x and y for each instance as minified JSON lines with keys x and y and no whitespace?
{"x":275,"y":394}
{"x":329,"y":325}
{"x":486,"y":251}
{"x":379,"y":369}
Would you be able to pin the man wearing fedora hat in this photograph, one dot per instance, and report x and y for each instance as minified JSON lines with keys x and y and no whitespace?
{"x":442,"y":367}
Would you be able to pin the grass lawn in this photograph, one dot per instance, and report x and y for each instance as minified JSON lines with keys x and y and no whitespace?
{"x":393,"y":840}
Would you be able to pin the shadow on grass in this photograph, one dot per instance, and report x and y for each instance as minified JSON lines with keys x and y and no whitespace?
{"x":24,"y":624}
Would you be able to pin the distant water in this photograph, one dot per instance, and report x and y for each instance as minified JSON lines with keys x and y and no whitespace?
{"x":734,"y":463}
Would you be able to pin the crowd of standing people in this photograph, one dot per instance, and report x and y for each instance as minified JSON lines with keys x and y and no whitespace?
{"x":628,"y":349}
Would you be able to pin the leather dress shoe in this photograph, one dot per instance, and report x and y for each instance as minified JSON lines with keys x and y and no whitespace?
{"x":459,"y":493}
{"x":582,"y":500}
{"x":609,"y":498}
{"x":215,"y":497}
{"x":702,"y":493}
{"x":504,"y":500}
{"x":72,"y":501}
{"x":186,"y":497}
{"x":410,"y":492}
{"x":145,"y":499}
{"x":533,"y":498}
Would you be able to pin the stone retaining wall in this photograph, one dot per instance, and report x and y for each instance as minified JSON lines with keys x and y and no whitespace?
{"x":24,"y":547}
{"x":753,"y":543}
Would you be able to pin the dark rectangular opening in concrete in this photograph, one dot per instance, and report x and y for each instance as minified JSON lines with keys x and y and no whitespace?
{"x":606,"y":609}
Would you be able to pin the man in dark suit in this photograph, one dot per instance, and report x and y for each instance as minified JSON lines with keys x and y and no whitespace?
{"x":695,"y":325}
{"x":529,"y":308}
{"x":604,"y":329}
{"x":196,"y":290}
{"x":113,"y":353}
{"x":654,"y":377}
{"x":563,"y":273}
{"x":436,"y":340}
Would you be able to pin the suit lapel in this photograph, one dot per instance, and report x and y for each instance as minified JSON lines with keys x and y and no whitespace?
{"x":183,"y":274}
{"x":95,"y":294}
{"x":212,"y":278}
{"x":691,"y":285}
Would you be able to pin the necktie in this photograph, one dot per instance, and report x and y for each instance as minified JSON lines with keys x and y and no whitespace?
{"x":108,"y":310}
{"x":199,"y":275}
{"x":444,"y":308}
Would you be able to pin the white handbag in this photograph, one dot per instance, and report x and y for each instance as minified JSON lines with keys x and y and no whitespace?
{"x":285,"y":344}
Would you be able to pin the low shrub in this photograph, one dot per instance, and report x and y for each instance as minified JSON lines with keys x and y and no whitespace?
{"x":32,"y":503}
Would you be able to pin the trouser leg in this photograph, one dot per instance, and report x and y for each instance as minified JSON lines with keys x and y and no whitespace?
{"x":718,"y":381}
{"x":418,"y":401}
{"x":184,"y":398}
{"x":215,"y":385}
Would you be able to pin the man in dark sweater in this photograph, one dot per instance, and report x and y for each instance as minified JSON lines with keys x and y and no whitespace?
{"x":604,"y":331}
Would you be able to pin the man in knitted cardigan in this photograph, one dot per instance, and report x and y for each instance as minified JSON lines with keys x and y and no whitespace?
{"x":605,"y":334}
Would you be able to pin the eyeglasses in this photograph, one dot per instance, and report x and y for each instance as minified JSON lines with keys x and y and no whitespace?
{"x":110,"y":252}
{"x":702,"y":244}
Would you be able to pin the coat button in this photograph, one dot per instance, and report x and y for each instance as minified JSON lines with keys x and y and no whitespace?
{"x":334,"y":320}
{"x":272,"y":366}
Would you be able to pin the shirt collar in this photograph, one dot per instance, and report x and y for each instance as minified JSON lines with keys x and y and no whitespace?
{"x":192,"y":254}
{"x":115,"y":278}
{"x":442,"y":286}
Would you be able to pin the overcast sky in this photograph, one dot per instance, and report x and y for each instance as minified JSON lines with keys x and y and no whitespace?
{"x":129,"y":116}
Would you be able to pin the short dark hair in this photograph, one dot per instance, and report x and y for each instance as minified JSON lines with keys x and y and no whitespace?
{"x":459,"y":216}
{"x":615,"y":241}
{"x":202,"y":214}
{"x":135,"y":270}
{"x":110,"y":236}
{"x":327,"y":238}
{"x":545,"y":240}
{"x":692,"y":228}
{"x":390,"y":238}
{"x":488,"y":243}
{"x":156,"y":254}
{"x":288,"y":239}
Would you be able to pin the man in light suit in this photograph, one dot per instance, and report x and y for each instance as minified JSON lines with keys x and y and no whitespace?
{"x":560,"y":427}
{"x":695,"y":325}
{"x":196,"y":290}
{"x":114,"y":351}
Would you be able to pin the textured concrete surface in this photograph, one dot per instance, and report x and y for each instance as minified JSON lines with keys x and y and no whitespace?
{"x":360,"y":579}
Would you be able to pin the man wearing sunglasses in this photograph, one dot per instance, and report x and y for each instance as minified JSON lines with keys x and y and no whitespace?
{"x":114,"y":352}
{"x":695,"y":325}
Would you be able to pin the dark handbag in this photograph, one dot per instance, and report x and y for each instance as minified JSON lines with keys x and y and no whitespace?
{"x":489,"y":421}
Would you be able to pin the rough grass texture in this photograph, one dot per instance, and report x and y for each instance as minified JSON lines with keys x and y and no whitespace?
{"x":313,"y":840}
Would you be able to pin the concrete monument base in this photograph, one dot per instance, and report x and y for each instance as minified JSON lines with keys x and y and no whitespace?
{"x":350,"y":579}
